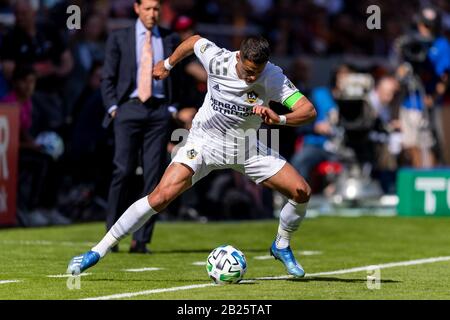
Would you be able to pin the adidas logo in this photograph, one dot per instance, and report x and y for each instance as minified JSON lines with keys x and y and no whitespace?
{"x":216,"y":87}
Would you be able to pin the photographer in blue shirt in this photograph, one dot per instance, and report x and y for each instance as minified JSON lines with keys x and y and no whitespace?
{"x":424,"y":74}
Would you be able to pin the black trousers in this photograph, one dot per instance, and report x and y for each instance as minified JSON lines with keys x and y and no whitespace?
{"x":140,"y":130}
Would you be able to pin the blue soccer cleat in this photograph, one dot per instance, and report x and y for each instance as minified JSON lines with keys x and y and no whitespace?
{"x":80,"y":263}
{"x":287,"y":258}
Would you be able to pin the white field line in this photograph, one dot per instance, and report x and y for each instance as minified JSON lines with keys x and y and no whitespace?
{"x":134,"y":294}
{"x":66,"y":275}
{"x":268,"y":257}
{"x":142,"y":269}
{"x":343,"y":271}
{"x":366,"y":268}
{"x":9,"y":281}
{"x":199,"y":263}
{"x":310,"y":253}
{"x":46,"y":243}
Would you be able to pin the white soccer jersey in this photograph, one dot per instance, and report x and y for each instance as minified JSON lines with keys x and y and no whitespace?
{"x":229,"y":101}
{"x":218,"y":138}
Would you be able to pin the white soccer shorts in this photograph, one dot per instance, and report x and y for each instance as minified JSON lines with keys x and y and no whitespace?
{"x":202,"y":159}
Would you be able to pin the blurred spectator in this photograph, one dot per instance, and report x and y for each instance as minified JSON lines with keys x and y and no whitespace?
{"x":122,"y":9}
{"x":316,"y":138}
{"x":88,"y":49}
{"x":194,"y":76}
{"x":89,"y":149}
{"x":41,"y":46}
{"x":24,"y":81}
{"x":300,"y":73}
{"x":424,"y":72}
{"x":294,"y":27}
{"x":389,"y":138}
{"x":260,"y":7}
{"x":281,"y":32}
{"x":211,"y":11}
{"x":332,"y":6}
{"x":56,"y":12}
{"x":89,"y":152}
{"x":381,"y":98}
{"x":438,"y":57}
{"x":5,"y":6}
{"x":38,"y":179}
{"x":239,"y":22}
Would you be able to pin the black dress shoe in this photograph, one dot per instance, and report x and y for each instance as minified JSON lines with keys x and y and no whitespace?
{"x":139,"y":247}
{"x":115,"y":249}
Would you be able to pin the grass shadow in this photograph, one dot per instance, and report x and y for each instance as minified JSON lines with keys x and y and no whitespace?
{"x":320,"y":279}
{"x":207,"y":251}
{"x":333,"y":279}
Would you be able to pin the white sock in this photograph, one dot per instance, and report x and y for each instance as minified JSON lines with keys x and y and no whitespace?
{"x":291,"y":216}
{"x":132,"y":219}
{"x":105,"y":244}
{"x":283,"y":238}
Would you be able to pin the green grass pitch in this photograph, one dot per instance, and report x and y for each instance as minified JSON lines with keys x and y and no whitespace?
{"x":29,"y":256}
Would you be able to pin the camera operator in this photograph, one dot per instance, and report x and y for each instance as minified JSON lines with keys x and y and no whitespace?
{"x":387,"y":131}
{"x":317,"y":136}
{"x":356,"y":116}
{"x":423,"y":73}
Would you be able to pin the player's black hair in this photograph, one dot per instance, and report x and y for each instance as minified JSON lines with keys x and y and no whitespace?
{"x":431,"y":18}
{"x":255,"y":49}
{"x":139,"y":2}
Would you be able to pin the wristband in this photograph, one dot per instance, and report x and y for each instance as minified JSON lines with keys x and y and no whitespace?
{"x":167,"y":65}
{"x":282,"y":120}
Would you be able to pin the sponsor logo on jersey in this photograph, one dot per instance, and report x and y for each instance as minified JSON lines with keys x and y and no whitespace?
{"x":191,"y":154}
{"x":216,"y":87}
{"x":252,"y":96}
{"x":229,"y":108}
{"x":205,"y":47}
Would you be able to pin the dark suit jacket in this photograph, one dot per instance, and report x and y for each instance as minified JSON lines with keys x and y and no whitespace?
{"x":120,"y":68}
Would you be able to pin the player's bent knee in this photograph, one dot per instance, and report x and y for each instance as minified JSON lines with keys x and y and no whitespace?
{"x":302,"y":193}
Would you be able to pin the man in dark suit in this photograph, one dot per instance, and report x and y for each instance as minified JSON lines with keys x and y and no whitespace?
{"x":139,"y":108}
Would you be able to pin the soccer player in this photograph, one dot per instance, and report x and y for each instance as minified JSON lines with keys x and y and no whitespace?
{"x":240,"y":86}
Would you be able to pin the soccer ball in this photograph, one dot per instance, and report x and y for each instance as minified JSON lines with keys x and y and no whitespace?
{"x":226,"y":264}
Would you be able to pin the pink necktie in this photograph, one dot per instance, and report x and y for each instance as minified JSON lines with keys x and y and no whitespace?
{"x":145,"y":70}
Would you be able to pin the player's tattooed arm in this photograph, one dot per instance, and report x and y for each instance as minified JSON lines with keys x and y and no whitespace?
{"x":185,"y":49}
{"x":303,"y":112}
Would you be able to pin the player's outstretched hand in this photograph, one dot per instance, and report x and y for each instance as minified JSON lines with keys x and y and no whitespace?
{"x":159,"y":71}
{"x":268,"y":115}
